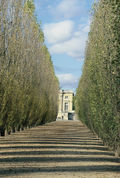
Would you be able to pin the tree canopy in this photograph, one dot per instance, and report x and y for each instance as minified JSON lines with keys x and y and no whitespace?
{"x":98,"y":93}
{"x":28,"y":85}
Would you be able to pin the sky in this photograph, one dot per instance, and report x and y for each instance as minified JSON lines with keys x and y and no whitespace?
{"x":66,"y":24}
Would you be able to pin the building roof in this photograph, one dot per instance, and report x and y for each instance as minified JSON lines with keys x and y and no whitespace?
{"x":66,"y":91}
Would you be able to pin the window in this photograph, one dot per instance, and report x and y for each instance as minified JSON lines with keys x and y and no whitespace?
{"x":66,"y":107}
{"x":66,"y":97}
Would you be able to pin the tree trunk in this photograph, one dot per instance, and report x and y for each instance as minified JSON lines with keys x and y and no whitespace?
{"x":18,"y":128}
{"x":2,"y":132}
{"x":22,"y":128}
{"x":117,"y":152}
{"x":13,"y":129}
{"x":8,"y":132}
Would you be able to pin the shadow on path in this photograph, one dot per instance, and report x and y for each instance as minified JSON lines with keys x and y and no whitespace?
{"x":99,"y":168}
{"x":71,"y":143}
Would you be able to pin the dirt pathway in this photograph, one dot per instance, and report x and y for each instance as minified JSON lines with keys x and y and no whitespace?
{"x":56,"y":150}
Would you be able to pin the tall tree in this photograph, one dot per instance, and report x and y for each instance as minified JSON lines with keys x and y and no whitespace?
{"x":98,"y":93}
{"x":28,"y":85}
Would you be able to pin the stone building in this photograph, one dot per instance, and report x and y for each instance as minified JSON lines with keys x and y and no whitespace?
{"x":66,"y":111}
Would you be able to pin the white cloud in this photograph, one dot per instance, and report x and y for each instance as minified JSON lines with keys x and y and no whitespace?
{"x":64,"y":39}
{"x":70,"y":8}
{"x":85,"y":27}
{"x":58,"y":32}
{"x":75,"y":46}
{"x":68,"y":80}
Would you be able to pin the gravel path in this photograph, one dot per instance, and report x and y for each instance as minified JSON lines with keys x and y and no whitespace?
{"x":56,"y":150}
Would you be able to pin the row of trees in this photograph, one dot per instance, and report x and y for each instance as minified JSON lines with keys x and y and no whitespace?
{"x":98,"y":93}
{"x":28,"y":85}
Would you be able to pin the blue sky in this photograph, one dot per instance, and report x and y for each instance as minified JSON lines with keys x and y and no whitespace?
{"x":65,"y":24}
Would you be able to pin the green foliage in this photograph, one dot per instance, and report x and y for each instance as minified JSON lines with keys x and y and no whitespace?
{"x":98,"y":93}
{"x":29,"y":7}
{"x":28,"y":85}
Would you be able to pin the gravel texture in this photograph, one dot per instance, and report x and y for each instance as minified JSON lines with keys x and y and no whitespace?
{"x":61,"y":149}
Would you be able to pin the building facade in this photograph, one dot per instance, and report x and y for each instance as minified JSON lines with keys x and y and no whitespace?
{"x":65,"y":111}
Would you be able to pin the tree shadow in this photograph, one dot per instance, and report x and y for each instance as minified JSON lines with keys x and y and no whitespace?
{"x":59,"y":159}
{"x":55,"y":142}
{"x":98,"y":168}
{"x":69,"y":145}
{"x":55,"y":153}
{"x":54,"y":147}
